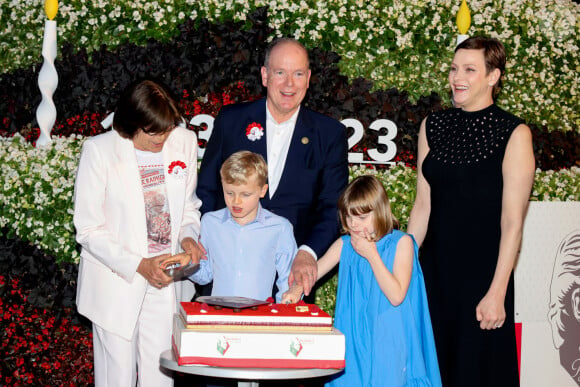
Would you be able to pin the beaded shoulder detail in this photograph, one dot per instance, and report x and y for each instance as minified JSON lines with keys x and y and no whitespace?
{"x":459,"y":137}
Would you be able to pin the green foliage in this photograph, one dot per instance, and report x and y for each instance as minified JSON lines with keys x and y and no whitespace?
{"x":412,"y":40}
{"x":37,"y":193}
{"x":38,"y":183}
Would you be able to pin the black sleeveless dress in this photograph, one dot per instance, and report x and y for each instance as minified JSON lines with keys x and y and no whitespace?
{"x":460,"y":251}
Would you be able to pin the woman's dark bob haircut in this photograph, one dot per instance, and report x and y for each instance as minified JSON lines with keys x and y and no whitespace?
{"x":146,"y":105}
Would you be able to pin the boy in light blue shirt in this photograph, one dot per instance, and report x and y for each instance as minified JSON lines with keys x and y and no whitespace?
{"x":246,"y":244}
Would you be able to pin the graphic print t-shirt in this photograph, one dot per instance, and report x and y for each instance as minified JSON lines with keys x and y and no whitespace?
{"x":156,"y":205}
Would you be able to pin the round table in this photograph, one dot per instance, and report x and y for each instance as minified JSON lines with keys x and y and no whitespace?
{"x":247,"y":377}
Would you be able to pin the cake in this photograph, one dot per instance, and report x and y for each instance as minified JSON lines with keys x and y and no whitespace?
{"x":263,"y":317}
{"x":267,"y":336}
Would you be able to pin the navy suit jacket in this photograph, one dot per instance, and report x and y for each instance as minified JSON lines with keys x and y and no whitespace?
{"x":314,"y":176}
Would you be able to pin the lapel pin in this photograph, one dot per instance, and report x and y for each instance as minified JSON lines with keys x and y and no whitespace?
{"x":305,"y":140}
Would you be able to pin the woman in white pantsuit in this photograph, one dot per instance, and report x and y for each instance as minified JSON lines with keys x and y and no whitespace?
{"x":135,"y":207}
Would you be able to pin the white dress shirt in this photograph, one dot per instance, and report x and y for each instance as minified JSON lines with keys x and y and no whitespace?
{"x":242,"y":260}
{"x":278,"y":138}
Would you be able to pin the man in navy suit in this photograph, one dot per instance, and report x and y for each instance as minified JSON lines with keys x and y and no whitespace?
{"x":306,"y":154}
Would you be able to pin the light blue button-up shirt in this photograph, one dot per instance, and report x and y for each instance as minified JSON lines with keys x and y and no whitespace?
{"x":243,"y":260}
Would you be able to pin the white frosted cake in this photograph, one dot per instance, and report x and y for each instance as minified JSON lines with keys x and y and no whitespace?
{"x":287,"y":336}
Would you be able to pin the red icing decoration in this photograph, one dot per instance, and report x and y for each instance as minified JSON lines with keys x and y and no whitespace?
{"x":193,"y":315}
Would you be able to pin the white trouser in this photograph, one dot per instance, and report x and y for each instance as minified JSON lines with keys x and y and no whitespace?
{"x":121,"y":362}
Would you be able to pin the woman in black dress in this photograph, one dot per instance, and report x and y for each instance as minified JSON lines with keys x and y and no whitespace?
{"x":475,"y":173}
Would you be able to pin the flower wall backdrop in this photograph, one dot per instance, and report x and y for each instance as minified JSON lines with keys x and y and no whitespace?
{"x":405,"y":44}
{"x":36,"y":199}
{"x":370,"y":59}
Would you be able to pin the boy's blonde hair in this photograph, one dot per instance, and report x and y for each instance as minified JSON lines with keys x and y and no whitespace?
{"x":241,"y":166}
{"x":363,"y":195}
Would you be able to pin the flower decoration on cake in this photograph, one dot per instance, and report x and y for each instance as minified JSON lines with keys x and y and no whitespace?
{"x":177,"y":168}
{"x":203,"y":308}
{"x":314,"y":310}
{"x":254,"y":131}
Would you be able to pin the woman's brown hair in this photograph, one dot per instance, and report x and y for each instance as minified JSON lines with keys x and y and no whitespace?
{"x":493,"y":54}
{"x":145,"y":105}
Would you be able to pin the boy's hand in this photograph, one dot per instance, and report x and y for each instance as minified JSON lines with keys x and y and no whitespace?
{"x":195,"y":250}
{"x":182,"y":259}
{"x":292,"y":295}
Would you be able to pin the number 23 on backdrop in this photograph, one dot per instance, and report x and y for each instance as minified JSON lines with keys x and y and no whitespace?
{"x":376,"y":156}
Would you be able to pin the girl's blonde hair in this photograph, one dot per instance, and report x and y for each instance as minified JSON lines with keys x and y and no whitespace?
{"x":363,"y":195}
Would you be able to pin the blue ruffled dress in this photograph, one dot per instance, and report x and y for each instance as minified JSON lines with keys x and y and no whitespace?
{"x":385,"y":345}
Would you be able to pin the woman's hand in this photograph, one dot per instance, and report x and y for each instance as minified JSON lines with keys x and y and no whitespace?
{"x":151,"y":270}
{"x":490,"y":312}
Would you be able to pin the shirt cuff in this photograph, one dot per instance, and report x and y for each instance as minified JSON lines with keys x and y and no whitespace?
{"x":309,"y":251}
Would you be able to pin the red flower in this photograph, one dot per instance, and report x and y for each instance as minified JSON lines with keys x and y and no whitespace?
{"x":177,"y":168}
{"x":254,"y":131}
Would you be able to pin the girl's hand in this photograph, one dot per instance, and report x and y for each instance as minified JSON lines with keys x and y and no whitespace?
{"x":490,"y":312}
{"x":364,"y":245}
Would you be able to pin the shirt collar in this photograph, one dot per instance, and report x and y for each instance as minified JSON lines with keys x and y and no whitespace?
{"x":290,"y":121}
{"x":260,"y":216}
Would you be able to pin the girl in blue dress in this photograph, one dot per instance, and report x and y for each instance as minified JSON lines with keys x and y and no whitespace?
{"x":381,"y":305}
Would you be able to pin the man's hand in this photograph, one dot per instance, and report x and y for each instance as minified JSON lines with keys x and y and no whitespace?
{"x":151,"y":270}
{"x":304,"y":271}
{"x":195,"y":250}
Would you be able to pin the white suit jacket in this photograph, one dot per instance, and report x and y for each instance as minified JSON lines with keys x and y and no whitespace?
{"x":109,"y":216}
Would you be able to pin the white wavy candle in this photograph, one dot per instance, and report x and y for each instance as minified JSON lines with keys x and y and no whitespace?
{"x":47,"y":83}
